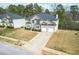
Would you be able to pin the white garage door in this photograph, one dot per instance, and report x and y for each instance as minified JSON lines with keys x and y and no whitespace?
{"x":18,"y":23}
{"x":44,"y":29}
{"x":48,"y":29}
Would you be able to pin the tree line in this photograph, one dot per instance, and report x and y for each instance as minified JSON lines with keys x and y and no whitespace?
{"x":68,"y":19}
{"x":27,"y":10}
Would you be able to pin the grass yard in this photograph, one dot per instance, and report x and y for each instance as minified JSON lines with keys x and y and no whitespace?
{"x":18,"y":34}
{"x":1,"y":29}
{"x":9,"y":41}
{"x":22,"y":34}
{"x":65,"y":40}
{"x":5,"y":31}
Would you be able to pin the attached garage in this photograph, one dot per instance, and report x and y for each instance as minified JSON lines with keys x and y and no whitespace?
{"x":47,"y":28}
{"x":51,"y":28}
{"x":43,"y":29}
{"x":18,"y":23}
{"x":12,"y":20}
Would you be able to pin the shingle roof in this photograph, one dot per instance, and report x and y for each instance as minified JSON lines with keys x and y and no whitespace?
{"x":29,"y":17}
{"x":43,"y":16}
{"x":1,"y":16}
{"x":11,"y":15}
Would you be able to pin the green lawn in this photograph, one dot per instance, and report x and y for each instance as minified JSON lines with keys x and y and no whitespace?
{"x":65,"y":40}
{"x":20,"y":34}
{"x":6,"y":31}
{"x":17,"y":34}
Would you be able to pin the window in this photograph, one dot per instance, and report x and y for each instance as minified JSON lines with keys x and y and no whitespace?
{"x":44,"y":23}
{"x":37,"y":26}
{"x":37,"y":21}
{"x":10,"y":21}
{"x":32,"y":21}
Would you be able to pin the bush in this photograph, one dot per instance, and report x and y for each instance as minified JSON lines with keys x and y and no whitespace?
{"x":27,"y":28}
{"x":36,"y":30}
{"x":10,"y":27}
{"x":2,"y":26}
{"x":6,"y":31}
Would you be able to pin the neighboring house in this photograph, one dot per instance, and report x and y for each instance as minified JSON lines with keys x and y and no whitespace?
{"x":42,"y":21}
{"x":12,"y":20}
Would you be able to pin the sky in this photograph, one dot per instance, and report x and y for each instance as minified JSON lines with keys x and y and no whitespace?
{"x":44,"y":5}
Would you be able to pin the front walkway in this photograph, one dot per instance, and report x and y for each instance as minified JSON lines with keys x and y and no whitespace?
{"x":38,"y":42}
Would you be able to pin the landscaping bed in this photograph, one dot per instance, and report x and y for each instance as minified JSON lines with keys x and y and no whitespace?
{"x":65,"y":40}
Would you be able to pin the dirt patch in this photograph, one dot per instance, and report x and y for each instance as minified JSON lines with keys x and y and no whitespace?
{"x":65,"y":40}
{"x":22,"y":34}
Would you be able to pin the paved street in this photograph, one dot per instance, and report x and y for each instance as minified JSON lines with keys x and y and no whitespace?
{"x":10,"y":50}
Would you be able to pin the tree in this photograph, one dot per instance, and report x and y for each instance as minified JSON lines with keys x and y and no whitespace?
{"x":31,"y":9}
{"x":47,"y":11}
{"x":60,"y":11}
{"x":37,"y":8}
{"x":74,"y":11}
{"x":2,"y":11}
{"x":28,"y":11}
{"x":12,"y":8}
{"x":20,"y":9}
{"x":53,"y":6}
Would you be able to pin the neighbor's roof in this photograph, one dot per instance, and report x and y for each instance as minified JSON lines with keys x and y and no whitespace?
{"x":44,"y":16}
{"x":11,"y":15}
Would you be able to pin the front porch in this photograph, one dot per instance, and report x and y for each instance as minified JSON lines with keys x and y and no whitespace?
{"x":33,"y":27}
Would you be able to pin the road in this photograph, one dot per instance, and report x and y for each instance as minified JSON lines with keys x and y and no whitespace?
{"x":10,"y":50}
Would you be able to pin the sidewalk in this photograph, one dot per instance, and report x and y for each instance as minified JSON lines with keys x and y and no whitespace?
{"x":38,"y":42}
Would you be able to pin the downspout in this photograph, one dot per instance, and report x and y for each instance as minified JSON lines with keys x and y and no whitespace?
{"x":31,"y":25}
{"x":47,"y":26}
{"x":57,"y":22}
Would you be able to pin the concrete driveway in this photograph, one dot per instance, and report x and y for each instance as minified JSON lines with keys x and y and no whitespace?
{"x":38,"y":42}
{"x":10,"y":50}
